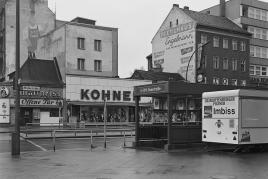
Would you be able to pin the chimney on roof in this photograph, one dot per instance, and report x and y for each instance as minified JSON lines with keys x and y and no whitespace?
{"x":176,"y":5}
{"x":186,"y":8}
{"x":222,"y":8}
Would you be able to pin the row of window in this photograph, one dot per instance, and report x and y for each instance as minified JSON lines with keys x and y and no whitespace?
{"x":258,"y":33}
{"x":81,"y":44}
{"x":81,"y":65}
{"x":257,"y":51}
{"x":257,"y":14}
{"x":226,"y":62}
{"x":225,"y":43}
{"x":257,"y":70}
{"x":226,"y":81}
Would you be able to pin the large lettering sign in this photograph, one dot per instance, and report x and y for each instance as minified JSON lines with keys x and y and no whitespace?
{"x":220,"y":107}
{"x":109,"y":95}
{"x":37,"y":92}
{"x":173,"y":46}
{"x":41,"y":102}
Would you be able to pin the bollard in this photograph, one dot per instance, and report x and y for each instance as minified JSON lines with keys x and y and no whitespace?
{"x":54,"y":140}
{"x":124,"y":144}
{"x":91,"y":141}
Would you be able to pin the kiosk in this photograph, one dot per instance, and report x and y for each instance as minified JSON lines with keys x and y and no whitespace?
{"x":175,"y":114}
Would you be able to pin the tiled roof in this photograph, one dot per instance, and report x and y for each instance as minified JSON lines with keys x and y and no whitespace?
{"x":156,"y":76}
{"x":214,"y":21}
{"x":40,"y":72}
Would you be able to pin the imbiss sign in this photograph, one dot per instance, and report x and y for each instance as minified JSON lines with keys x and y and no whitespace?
{"x":96,"y":95}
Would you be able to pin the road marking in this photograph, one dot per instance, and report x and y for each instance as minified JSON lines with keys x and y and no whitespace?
{"x":36,"y":145}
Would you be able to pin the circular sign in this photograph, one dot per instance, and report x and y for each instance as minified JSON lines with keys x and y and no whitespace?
{"x":4,"y":92}
{"x":199,"y":78}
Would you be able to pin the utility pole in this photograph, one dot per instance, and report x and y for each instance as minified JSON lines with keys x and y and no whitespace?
{"x":16,"y":134}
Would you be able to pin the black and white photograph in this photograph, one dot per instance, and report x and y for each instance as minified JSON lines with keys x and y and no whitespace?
{"x":145,"y":89}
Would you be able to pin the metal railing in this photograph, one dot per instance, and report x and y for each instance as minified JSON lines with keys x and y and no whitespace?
{"x":91,"y":136}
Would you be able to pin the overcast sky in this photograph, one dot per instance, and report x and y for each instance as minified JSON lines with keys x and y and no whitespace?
{"x":137,"y":21}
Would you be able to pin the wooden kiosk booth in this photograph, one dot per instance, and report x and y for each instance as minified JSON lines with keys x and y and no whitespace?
{"x":175,"y":115}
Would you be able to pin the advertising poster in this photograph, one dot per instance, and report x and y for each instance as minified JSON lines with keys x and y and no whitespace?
{"x":220,"y":107}
{"x":4,"y":110}
{"x":173,"y":45}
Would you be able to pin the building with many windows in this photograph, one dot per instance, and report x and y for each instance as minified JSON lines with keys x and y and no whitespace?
{"x":251,"y":15}
{"x":202,"y":48}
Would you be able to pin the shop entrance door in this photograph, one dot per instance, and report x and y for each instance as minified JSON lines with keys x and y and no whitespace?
{"x":26,"y":116}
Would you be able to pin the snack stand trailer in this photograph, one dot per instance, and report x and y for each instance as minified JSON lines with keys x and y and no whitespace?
{"x":235,"y":117}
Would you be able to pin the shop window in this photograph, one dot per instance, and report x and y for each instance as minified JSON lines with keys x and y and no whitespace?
{"x":234,"y":82}
{"x":243,"y":82}
{"x":225,"y":81}
{"x":216,"y":81}
{"x":81,"y":43}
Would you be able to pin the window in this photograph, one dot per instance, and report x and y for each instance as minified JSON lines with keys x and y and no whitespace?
{"x":243,"y":82}
{"x":81,"y":64}
{"x":225,"y":43}
{"x":243,"y":65}
{"x":170,"y":24}
{"x":216,"y":41}
{"x":234,"y":64}
{"x":216,"y":81}
{"x":234,"y":44}
{"x":260,"y":52}
{"x":204,"y":38}
{"x":257,"y":70}
{"x":225,"y":64}
{"x":81,"y":43}
{"x":225,"y":81}
{"x":251,"y":70}
{"x":234,"y":82}
{"x":243,"y":46}
{"x":258,"y":33}
{"x":263,"y":71}
{"x":177,"y":22}
{"x":97,"y":45}
{"x":257,"y":14}
{"x":216,"y":62}
{"x":97,"y":65}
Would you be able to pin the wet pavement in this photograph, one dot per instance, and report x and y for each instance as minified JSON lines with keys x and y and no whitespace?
{"x":115,"y":162}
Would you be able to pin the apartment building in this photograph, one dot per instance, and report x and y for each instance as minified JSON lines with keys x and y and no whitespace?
{"x":202,"y":48}
{"x":251,"y":15}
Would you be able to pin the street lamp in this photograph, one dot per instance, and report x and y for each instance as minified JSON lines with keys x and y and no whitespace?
{"x":192,"y":57}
